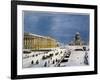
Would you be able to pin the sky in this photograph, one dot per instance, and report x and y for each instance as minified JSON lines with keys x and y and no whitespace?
{"x":58,"y":25}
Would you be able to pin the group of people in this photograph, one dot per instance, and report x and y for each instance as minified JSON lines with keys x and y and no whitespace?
{"x":52,"y":60}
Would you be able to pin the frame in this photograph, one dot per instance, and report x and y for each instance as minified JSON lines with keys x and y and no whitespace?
{"x":55,"y":16}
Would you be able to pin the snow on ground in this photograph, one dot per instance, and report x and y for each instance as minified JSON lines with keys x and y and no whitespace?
{"x":51,"y":61}
{"x":76,"y":59}
{"x":35,"y":59}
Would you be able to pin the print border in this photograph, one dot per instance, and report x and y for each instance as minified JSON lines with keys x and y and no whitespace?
{"x":14,"y":39}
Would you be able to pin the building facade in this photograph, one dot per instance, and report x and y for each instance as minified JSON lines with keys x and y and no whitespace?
{"x":77,"y":40}
{"x":37,"y":42}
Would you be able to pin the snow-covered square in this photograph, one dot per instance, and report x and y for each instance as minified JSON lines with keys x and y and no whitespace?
{"x":57,"y":57}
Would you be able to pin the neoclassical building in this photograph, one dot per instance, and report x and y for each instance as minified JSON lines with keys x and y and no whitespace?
{"x":77,"y":40}
{"x":37,"y":42}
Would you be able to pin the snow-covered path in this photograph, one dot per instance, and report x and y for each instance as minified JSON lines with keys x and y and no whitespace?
{"x":76,"y":59}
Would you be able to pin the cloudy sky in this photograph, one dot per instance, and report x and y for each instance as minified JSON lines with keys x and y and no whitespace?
{"x":61,"y":26}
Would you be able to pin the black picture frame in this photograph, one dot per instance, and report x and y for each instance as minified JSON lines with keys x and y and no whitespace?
{"x":14,"y":33}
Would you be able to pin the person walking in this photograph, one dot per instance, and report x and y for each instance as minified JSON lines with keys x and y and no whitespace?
{"x":86,"y":58}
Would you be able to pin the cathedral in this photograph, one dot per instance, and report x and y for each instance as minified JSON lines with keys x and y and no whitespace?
{"x":77,"y":40}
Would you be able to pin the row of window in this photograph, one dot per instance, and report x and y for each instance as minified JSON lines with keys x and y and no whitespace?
{"x":36,"y":43}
